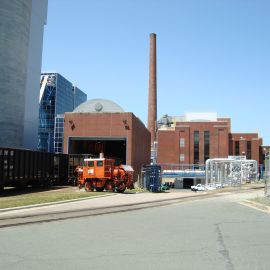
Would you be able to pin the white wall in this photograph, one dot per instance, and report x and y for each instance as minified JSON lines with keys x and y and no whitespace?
{"x":38,"y":20}
{"x":15,"y":18}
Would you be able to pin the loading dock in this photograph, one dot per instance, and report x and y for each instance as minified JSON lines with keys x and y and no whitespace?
{"x":111,"y":147}
{"x":184,"y":178}
{"x":188,"y":182}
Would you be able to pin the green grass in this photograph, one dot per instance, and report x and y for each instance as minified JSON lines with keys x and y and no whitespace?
{"x":14,"y":200}
{"x":135,"y":190}
{"x":262,"y":200}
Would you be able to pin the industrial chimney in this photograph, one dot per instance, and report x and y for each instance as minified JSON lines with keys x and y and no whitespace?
{"x":152,"y":90}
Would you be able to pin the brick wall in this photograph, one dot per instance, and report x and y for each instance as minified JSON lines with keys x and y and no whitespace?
{"x":112,"y":125}
{"x":169,"y":149}
{"x":243,"y":138}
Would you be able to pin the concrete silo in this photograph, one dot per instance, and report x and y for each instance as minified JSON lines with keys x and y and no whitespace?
{"x":20,"y":64}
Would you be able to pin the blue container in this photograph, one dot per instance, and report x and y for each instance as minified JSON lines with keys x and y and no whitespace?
{"x":152,"y":178}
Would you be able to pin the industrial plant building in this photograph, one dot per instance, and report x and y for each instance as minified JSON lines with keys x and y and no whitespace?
{"x":102,"y":126}
{"x":196,"y":137}
{"x":21,"y":39}
{"x":57,"y":96}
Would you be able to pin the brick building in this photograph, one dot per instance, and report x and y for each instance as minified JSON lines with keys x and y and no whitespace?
{"x":195,"y":137}
{"x":101,"y":125}
{"x":246,"y":144}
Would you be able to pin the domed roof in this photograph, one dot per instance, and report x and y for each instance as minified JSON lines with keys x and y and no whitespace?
{"x":98,"y":106}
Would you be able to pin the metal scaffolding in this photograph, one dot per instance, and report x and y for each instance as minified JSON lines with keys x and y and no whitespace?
{"x":230,"y":171}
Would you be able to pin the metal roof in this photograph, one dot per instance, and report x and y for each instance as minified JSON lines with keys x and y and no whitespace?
{"x":99,"y":106}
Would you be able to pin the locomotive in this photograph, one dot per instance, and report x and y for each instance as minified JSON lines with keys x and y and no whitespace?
{"x":102,"y":173}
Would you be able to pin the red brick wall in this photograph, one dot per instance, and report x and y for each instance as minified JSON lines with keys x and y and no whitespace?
{"x":140,"y":144}
{"x":112,"y":125}
{"x":170,"y":140}
{"x":168,"y":147}
{"x":222,"y":142}
{"x":243,"y":138}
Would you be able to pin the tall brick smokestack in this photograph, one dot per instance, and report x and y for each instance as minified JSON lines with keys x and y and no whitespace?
{"x":152,"y":90}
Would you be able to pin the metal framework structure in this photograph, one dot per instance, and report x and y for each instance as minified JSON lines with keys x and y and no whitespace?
{"x":267,"y":174}
{"x":230,"y":171}
{"x":59,"y":133}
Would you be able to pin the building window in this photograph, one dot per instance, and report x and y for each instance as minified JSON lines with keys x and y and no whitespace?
{"x":236,"y":148}
{"x":182,"y":142}
{"x":206,"y":145}
{"x":249,"y":150}
{"x":196,"y":148}
{"x":182,"y":157}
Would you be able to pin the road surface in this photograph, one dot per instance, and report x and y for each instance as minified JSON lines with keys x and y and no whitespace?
{"x":211,"y":233}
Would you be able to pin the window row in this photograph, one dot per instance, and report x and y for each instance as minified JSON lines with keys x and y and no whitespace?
{"x":196,"y":143}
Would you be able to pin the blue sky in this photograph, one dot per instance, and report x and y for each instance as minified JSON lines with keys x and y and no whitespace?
{"x":212,"y":55}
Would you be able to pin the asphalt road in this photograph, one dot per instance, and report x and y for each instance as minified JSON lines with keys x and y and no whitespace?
{"x":215,"y":233}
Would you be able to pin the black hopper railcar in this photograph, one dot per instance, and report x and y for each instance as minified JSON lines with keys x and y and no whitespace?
{"x":21,"y":167}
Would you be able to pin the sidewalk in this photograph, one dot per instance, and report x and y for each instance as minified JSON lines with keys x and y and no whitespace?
{"x":109,"y":201}
{"x":96,"y":202}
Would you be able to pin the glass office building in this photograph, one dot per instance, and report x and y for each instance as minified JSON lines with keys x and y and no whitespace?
{"x":58,"y":133}
{"x":79,"y":96}
{"x":57,"y":96}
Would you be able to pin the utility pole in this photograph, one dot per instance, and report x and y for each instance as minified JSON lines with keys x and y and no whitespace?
{"x":267,"y":174}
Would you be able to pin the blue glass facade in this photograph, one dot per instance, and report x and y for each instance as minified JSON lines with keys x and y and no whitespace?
{"x":57,"y":96}
{"x":79,"y":96}
{"x":58,"y":133}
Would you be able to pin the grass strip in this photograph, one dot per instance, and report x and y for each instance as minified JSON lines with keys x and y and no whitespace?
{"x":44,"y":197}
{"x":136,"y":190}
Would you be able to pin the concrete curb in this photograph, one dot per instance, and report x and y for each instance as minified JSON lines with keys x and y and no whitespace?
{"x":53,"y":203}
